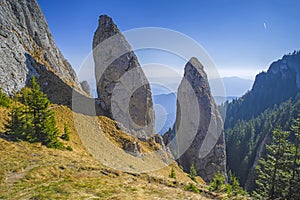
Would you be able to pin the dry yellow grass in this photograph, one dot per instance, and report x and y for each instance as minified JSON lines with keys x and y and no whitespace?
{"x":32,"y":171}
{"x":3,"y":117}
{"x":121,"y":139}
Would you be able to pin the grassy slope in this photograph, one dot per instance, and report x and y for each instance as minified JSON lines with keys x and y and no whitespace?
{"x":32,"y":171}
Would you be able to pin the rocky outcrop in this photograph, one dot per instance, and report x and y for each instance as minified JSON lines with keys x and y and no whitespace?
{"x":86,"y":87}
{"x":123,"y":90}
{"x":287,"y":63}
{"x":27,"y":49}
{"x":280,"y":83}
{"x":199,"y":128}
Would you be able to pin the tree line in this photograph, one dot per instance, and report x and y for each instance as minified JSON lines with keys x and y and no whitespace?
{"x":278,"y":174}
{"x":30,"y":118}
{"x":244,"y":139}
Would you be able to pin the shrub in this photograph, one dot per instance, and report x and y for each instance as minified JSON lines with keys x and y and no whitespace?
{"x":172,"y":174}
{"x":69,"y":148}
{"x":66,"y":135}
{"x":233,"y":188}
{"x":218,"y":183}
{"x":191,"y":187}
{"x":193,"y":173}
{"x":4,"y":100}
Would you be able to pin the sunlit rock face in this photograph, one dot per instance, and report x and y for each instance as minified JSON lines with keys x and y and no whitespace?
{"x":199,"y":136}
{"x":123,"y":89}
{"x":27,"y":49}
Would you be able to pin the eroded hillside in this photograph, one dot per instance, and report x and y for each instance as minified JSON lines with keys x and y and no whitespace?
{"x":32,"y":171}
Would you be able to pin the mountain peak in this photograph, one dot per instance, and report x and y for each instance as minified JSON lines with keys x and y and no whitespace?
{"x":106,"y":29}
{"x":106,"y":22}
{"x":194,"y":62}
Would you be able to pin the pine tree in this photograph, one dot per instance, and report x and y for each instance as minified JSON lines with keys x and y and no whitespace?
{"x":18,"y":126}
{"x":294,"y":183}
{"x":235,"y":186}
{"x":33,"y":121}
{"x":273,"y":172}
{"x":193,"y":172}
{"x":218,"y":184}
{"x":43,"y":122}
{"x":232,"y":188}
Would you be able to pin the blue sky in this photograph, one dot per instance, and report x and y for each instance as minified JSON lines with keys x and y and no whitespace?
{"x":241,"y":37}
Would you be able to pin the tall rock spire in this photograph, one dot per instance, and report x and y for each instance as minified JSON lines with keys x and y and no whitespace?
{"x":122,"y":87}
{"x":199,"y":127}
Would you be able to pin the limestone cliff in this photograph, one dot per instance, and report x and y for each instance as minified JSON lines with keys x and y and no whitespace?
{"x":123,"y":89}
{"x":278,"y":84}
{"x":27,"y":49}
{"x":199,"y":128}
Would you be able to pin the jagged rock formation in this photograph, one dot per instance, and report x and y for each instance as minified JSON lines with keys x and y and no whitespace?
{"x":123,"y":90}
{"x":199,"y":128}
{"x":278,"y":84}
{"x":288,"y":63}
{"x":28,"y":49}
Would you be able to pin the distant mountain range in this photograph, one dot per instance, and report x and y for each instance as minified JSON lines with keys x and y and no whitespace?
{"x":220,"y":99}
{"x":233,"y":86}
{"x":165,"y":111}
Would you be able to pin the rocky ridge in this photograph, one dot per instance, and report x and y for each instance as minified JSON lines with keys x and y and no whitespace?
{"x":279,"y":83}
{"x":28,"y":49}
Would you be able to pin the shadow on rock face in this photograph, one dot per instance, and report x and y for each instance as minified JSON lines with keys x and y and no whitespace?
{"x":60,"y":92}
